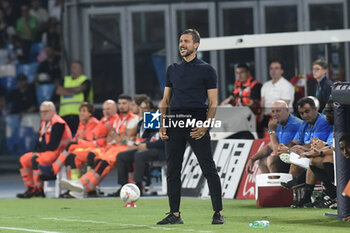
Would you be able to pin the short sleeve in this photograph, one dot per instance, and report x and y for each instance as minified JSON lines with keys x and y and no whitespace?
{"x":168,"y":81}
{"x":211,"y":81}
{"x":330,"y":139}
{"x":322,"y":129}
{"x":288,"y":91}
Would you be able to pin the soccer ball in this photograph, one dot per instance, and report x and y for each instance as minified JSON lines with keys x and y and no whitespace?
{"x":130,"y":193}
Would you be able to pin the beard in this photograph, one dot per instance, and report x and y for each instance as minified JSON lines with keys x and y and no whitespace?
{"x":188,"y":53}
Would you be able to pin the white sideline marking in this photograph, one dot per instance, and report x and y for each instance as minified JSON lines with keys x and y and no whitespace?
{"x":122,"y":224}
{"x":24,"y":229}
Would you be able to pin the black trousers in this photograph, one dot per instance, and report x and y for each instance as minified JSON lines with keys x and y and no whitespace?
{"x":175,"y":148}
{"x":141,"y":159}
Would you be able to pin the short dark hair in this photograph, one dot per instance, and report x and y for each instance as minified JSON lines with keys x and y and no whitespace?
{"x":89,"y":106}
{"x":345,"y":138}
{"x":306,"y":100}
{"x":195,"y":34}
{"x":244,"y":66}
{"x":79,"y":63}
{"x":277,"y":61}
{"x":149,"y":104}
{"x":139,"y":98}
{"x":124,"y":97}
{"x":321,"y":63}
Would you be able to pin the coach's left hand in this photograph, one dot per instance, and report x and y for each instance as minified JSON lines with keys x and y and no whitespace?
{"x":198,"y":133}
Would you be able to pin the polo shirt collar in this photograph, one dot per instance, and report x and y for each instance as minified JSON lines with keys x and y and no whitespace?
{"x":288,"y":121}
{"x":279,"y":81}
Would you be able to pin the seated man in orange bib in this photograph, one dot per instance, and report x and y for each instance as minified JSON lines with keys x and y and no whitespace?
{"x":87,"y":124}
{"x":54,"y":137}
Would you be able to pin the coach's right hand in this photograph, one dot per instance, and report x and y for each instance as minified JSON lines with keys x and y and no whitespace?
{"x":162,"y":134}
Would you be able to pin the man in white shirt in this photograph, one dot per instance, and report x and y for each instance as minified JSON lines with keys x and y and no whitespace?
{"x":38,"y":12}
{"x":278,"y":88}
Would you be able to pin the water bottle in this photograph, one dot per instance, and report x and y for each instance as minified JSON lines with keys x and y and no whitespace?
{"x":260,"y":224}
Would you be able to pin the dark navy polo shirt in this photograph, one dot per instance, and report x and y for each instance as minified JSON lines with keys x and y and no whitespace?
{"x":189,"y":82}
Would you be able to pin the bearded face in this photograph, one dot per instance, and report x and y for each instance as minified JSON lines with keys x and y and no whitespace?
{"x":186,"y":45}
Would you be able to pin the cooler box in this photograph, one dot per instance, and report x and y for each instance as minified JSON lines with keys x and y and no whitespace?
{"x":270,"y":193}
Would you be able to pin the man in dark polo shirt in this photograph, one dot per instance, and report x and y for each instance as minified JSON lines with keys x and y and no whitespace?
{"x":190,"y":94}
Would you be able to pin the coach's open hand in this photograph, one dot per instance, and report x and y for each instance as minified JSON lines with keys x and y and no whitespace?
{"x":162,"y":134}
{"x":198,"y":133}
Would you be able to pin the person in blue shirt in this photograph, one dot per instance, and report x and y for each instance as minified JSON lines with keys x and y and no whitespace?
{"x":190,"y":93}
{"x":321,"y":167}
{"x":282,"y":129}
{"x":315,"y":125}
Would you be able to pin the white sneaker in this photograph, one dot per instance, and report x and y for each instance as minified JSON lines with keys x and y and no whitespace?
{"x":78,"y":195}
{"x":285,"y":157}
{"x":73,"y":185}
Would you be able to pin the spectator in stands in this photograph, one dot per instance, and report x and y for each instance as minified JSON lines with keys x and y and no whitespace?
{"x":38,"y":12}
{"x":149,"y":147}
{"x":54,"y":36}
{"x":49,"y":71}
{"x":278,"y":88}
{"x":54,"y":137}
{"x":282,"y":129}
{"x":55,"y":9}
{"x":321,"y":168}
{"x":74,"y":90}
{"x":246,"y":90}
{"x":26,"y":29}
{"x":2,"y":100}
{"x":41,"y":15}
{"x":4,"y":54}
{"x":323,"y":88}
{"x":315,"y":125}
{"x":23,"y":99}
{"x":10,"y":15}
{"x":16,"y":51}
{"x":4,"y":38}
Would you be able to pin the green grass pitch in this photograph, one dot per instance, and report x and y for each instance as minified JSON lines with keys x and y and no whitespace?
{"x":109,"y":215}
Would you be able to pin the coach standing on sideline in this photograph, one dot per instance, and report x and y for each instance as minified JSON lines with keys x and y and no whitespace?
{"x":190,"y":90}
